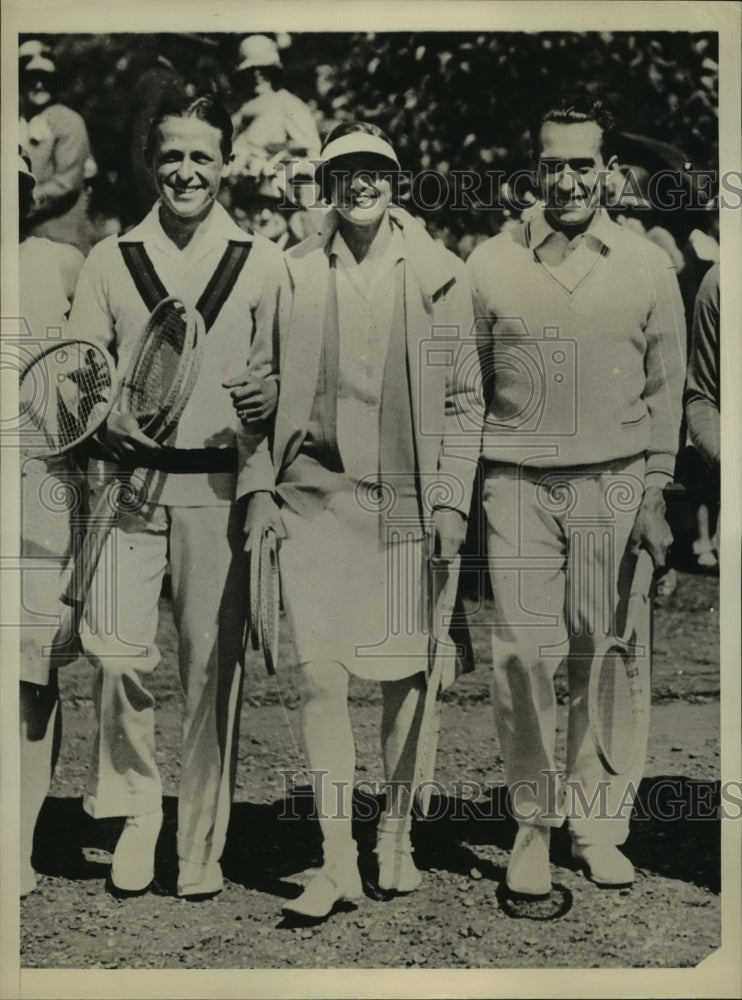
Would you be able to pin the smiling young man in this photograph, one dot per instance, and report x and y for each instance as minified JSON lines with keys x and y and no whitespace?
{"x":582,"y":339}
{"x":187,"y":246}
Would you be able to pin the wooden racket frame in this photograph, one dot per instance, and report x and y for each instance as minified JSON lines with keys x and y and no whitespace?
{"x":638,"y":671}
{"x":104,"y":516}
{"x":102,"y":414}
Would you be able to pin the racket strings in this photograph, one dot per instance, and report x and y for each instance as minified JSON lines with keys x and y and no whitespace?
{"x":158,"y":367}
{"x":76,"y":387}
{"x":158,"y":386}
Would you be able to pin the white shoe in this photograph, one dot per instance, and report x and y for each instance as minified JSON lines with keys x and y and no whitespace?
{"x":338,"y":879}
{"x":397,"y":871}
{"x":604,"y":864}
{"x":133,"y":866}
{"x":199,"y":881}
{"x":528,"y":871}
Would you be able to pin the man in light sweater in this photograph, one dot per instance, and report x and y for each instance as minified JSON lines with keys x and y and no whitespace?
{"x":582,"y":341}
{"x":189,"y":519}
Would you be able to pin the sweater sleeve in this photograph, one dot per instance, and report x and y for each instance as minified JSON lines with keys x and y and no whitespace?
{"x":90,"y":317}
{"x":464,"y":413}
{"x":664,"y":365}
{"x":701,"y":397}
{"x":255,"y":464}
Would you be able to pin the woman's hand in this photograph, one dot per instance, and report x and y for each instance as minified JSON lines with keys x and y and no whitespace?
{"x":263,"y":513}
{"x":450,"y":533}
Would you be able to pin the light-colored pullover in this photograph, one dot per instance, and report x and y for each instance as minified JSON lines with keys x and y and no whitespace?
{"x":583,"y":347}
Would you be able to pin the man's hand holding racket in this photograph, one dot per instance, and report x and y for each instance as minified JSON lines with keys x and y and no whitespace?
{"x":651,"y":531}
{"x":124,"y":439}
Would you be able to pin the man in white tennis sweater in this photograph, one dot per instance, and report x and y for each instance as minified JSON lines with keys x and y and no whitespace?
{"x":582,"y":340}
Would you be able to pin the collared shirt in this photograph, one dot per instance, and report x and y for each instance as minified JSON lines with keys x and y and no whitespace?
{"x":365,"y":316}
{"x":569,"y":260}
{"x":109,"y":310}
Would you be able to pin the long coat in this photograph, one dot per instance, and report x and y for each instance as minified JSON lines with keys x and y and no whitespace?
{"x":445,"y":380}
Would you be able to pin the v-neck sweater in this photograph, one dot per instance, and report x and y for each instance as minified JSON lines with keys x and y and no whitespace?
{"x":584,"y":360}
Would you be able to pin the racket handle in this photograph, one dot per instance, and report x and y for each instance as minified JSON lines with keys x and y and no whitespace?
{"x":641,"y":581}
{"x":101,"y":521}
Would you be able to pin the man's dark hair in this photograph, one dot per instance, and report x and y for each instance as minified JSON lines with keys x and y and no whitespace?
{"x":206,"y":109}
{"x":574,"y":109}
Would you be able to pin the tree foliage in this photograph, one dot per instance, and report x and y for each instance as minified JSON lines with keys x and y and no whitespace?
{"x":450,"y":101}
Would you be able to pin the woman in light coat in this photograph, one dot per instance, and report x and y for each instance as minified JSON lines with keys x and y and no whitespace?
{"x":374,"y":448}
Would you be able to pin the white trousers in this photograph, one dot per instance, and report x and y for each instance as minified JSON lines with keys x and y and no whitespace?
{"x":557,"y":553}
{"x":204,"y":548}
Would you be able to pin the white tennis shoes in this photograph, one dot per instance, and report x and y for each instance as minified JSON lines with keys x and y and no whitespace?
{"x":529,"y":873}
{"x":133,"y":866}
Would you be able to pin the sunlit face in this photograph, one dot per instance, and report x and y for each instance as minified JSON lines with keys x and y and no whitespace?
{"x":35,"y":90}
{"x":360,"y":191}
{"x":188,"y":166}
{"x":571,"y":170}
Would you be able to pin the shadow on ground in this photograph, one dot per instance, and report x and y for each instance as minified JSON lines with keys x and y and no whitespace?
{"x":675,"y":833}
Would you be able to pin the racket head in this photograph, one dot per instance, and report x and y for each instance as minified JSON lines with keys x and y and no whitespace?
{"x":66,"y":392}
{"x":163,"y":368}
{"x":270,"y":600}
{"x":618,"y":707}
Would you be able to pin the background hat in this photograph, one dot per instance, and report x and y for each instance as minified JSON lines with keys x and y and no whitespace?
{"x":258,"y":50}
{"x":36,"y":57}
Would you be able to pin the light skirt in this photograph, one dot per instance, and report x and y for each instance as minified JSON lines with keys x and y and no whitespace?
{"x":351,"y":598}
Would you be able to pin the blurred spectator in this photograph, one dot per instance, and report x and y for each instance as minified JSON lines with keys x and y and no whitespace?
{"x":701,"y":400}
{"x":633,"y":210}
{"x":702,"y":386}
{"x":56,"y":140}
{"x":48,"y":274}
{"x":272,"y":124}
{"x":700,"y":252}
{"x":260,"y":206}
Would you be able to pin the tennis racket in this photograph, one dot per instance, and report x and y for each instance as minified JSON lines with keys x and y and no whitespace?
{"x":441,"y":581}
{"x":65,"y":394}
{"x":253,"y":628}
{"x":270,"y":600}
{"x":156,"y":387}
{"x":619,"y":688}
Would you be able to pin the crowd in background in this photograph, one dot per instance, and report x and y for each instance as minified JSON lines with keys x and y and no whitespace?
{"x":455,"y":105}
{"x":452,"y":102}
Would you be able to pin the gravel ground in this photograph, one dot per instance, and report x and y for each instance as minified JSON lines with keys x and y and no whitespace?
{"x":458,"y":918}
